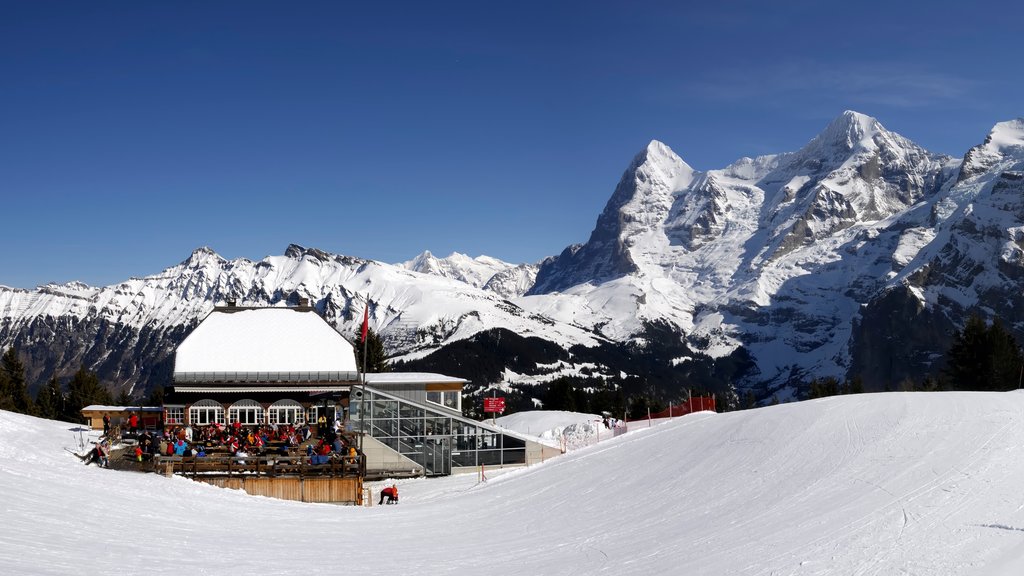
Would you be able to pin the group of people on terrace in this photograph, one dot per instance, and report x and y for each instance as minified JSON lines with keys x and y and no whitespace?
{"x":319,"y":443}
{"x":322,"y":443}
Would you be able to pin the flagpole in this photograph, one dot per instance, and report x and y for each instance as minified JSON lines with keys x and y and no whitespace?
{"x":362,"y":396}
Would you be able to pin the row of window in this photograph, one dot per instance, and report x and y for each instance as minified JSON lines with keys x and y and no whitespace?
{"x":246,"y":412}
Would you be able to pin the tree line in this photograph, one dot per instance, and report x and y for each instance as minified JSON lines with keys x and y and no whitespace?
{"x":983,"y":357}
{"x":53,"y":401}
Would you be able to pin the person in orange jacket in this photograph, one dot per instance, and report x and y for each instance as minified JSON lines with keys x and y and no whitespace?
{"x":391,"y":493}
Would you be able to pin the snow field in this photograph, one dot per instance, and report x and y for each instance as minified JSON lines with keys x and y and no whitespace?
{"x":866,"y":484}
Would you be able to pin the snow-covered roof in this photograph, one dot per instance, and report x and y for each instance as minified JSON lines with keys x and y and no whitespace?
{"x":262,"y":388}
{"x":412,"y":378}
{"x":252,"y":340}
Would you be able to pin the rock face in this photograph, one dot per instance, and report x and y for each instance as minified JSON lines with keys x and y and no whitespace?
{"x":857,"y":255}
{"x":794,"y":256}
{"x":641,"y":202}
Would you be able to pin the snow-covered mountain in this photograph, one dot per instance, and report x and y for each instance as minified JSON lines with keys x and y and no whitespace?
{"x":490,"y":274}
{"x":126,"y":331}
{"x":779,"y":254}
{"x":857,"y":255}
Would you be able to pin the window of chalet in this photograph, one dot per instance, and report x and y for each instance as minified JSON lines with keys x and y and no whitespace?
{"x":286,"y":412}
{"x":174,"y":414}
{"x":206,"y":412}
{"x":247,"y":412}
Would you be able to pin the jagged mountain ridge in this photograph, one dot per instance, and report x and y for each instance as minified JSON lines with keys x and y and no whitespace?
{"x":814,"y":261}
{"x":484,"y":272}
{"x":781,"y":254}
{"x":127,"y":329}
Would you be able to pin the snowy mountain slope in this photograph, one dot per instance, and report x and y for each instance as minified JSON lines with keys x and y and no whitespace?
{"x":964,"y":254}
{"x":491,"y":274}
{"x":865,"y":484}
{"x":641,"y":200}
{"x":776,"y":254}
{"x":125,"y":329}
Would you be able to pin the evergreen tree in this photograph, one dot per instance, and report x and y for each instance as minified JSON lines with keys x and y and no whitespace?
{"x":640,"y":404}
{"x":123,"y":399}
{"x":83,"y":390}
{"x":376,"y":360}
{"x":1006,"y":357}
{"x":966,"y":363}
{"x":822,"y":387}
{"x":156,"y":397}
{"x":749,"y":400}
{"x":50,"y":400}
{"x":17,"y":387}
{"x":728,"y":400}
{"x":560,"y":396}
{"x":855,"y":386}
{"x":983,"y":357}
{"x":6,"y":397}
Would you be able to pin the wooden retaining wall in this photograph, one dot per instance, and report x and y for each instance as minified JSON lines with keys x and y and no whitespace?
{"x":345,"y":490}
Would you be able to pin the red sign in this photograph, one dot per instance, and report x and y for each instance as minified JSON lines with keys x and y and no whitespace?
{"x":494,"y":405}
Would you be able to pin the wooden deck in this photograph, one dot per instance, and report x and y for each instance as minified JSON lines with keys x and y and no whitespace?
{"x":285,"y":477}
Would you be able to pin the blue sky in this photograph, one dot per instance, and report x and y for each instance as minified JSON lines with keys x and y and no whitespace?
{"x":132,"y":133}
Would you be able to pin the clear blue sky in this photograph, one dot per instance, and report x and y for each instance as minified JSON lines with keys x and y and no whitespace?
{"x":133,"y":132}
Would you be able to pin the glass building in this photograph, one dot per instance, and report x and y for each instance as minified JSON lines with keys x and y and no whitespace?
{"x":438,"y":439}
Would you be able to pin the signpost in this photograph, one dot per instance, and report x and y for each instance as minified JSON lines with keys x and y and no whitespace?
{"x":494,"y":405}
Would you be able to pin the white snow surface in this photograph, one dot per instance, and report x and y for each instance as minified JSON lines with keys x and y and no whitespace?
{"x":569,"y":430}
{"x":265,"y":340}
{"x":897,"y":483}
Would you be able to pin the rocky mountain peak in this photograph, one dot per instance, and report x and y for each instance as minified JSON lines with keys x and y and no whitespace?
{"x":1004,"y":142}
{"x":295,"y":251}
{"x":202,"y":256}
{"x":641,"y":203}
{"x":848,"y":133}
{"x":658,"y":165}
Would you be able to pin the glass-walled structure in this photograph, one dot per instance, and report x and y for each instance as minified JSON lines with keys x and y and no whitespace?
{"x":435,"y":439}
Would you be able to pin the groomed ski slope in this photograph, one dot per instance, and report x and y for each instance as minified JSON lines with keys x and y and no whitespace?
{"x":917,"y":483}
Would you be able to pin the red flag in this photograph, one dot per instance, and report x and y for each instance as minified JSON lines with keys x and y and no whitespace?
{"x":366,"y":321}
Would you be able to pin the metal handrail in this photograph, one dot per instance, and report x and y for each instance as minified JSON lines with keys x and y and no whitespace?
{"x":258,"y":466}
